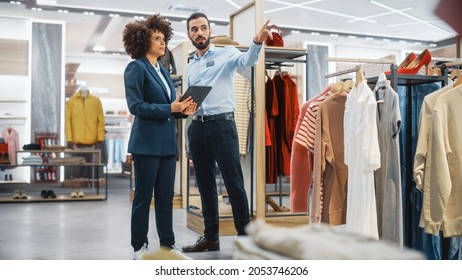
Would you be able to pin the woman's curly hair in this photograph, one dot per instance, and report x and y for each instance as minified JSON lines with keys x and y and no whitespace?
{"x":137,"y":35}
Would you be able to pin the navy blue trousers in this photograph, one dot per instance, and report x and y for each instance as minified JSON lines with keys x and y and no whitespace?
{"x":211,"y":143}
{"x":153,"y":173}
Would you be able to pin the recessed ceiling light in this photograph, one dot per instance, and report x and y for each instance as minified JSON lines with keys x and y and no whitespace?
{"x":99,"y":48}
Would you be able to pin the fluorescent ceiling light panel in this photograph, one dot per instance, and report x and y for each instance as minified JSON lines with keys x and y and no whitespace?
{"x":321,"y":11}
{"x":408,"y":16}
{"x":381,"y":15}
{"x":289,"y":6}
{"x":233,"y":3}
{"x":411,"y":23}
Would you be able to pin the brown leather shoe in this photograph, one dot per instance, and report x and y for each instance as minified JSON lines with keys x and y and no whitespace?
{"x":202,"y":245}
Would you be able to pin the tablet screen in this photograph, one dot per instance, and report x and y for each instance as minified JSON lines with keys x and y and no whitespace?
{"x":198,"y":93}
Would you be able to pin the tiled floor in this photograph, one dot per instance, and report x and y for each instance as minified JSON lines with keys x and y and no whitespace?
{"x":87,"y":230}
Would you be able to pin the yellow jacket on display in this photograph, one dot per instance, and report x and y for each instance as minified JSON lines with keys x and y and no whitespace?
{"x":84,"y":120}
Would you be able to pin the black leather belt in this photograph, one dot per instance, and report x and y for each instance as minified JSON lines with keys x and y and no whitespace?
{"x":223,"y":116}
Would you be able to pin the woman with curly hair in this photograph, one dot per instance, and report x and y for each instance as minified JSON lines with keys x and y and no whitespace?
{"x":152,"y":100}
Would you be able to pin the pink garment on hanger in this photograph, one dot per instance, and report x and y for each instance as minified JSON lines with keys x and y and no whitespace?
{"x":12,"y":139}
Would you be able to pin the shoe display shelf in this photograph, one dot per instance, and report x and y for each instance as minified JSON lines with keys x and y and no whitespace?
{"x":38,"y":190}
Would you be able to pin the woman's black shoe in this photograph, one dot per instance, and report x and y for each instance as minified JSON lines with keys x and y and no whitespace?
{"x":44,"y":194}
{"x":51,"y":194}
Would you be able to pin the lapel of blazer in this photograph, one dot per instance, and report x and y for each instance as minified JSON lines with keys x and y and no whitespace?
{"x":156,"y":76}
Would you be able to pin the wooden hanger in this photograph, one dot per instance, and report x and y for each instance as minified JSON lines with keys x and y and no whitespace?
{"x":459,"y":80}
{"x":347,"y":86}
{"x":359,"y":77}
{"x":455,"y":73}
{"x":336,"y":88}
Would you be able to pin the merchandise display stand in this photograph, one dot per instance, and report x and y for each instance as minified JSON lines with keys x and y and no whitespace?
{"x":59,"y":160}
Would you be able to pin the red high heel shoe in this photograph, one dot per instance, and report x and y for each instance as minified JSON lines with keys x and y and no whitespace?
{"x":409,"y":58}
{"x":424,"y":58}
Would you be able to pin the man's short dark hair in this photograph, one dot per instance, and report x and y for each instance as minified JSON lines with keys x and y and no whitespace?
{"x":196,"y":16}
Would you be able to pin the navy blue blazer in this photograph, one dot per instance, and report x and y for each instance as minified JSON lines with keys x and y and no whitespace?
{"x":153,"y":130}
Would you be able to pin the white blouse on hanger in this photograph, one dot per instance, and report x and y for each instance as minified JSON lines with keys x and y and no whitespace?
{"x":362,"y":155}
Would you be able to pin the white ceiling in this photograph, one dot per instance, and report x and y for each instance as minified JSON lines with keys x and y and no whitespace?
{"x":409,"y":20}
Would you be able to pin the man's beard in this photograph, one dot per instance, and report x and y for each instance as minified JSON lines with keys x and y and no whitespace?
{"x":201,"y":46}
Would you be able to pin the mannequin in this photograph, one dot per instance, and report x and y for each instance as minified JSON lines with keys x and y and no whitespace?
{"x":83,"y":91}
{"x":85,"y":129}
{"x":84,"y":119}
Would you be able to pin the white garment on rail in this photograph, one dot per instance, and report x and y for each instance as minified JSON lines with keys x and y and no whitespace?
{"x":362,"y":155}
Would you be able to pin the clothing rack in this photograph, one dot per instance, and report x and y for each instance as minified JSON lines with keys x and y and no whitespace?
{"x":343,"y":72}
{"x":451,"y":64}
{"x":355,"y":60}
{"x":361,"y":60}
{"x":435,"y":58}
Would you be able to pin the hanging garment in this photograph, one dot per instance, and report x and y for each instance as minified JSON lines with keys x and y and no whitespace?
{"x":423,"y":152}
{"x":285,"y":121}
{"x":267,"y":132}
{"x":445,"y":166}
{"x":301,"y":164}
{"x":84,"y":120}
{"x":414,"y":236}
{"x":242,"y":92}
{"x":362,"y":156}
{"x":294,"y":108}
{"x":301,"y":161}
{"x":330,"y":174}
{"x":388,"y":191}
{"x":312,"y":114}
{"x":424,"y":129}
{"x":272,"y":111}
{"x":422,"y":155}
{"x":282,"y":146}
{"x":11,"y":137}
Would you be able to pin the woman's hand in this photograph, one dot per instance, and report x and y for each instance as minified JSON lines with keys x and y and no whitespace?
{"x":191,"y":109}
{"x":179,"y":106}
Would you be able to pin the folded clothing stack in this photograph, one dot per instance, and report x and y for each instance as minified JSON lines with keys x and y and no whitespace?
{"x":32,"y":160}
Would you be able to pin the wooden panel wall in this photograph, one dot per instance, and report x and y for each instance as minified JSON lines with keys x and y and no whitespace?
{"x":14,"y":57}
